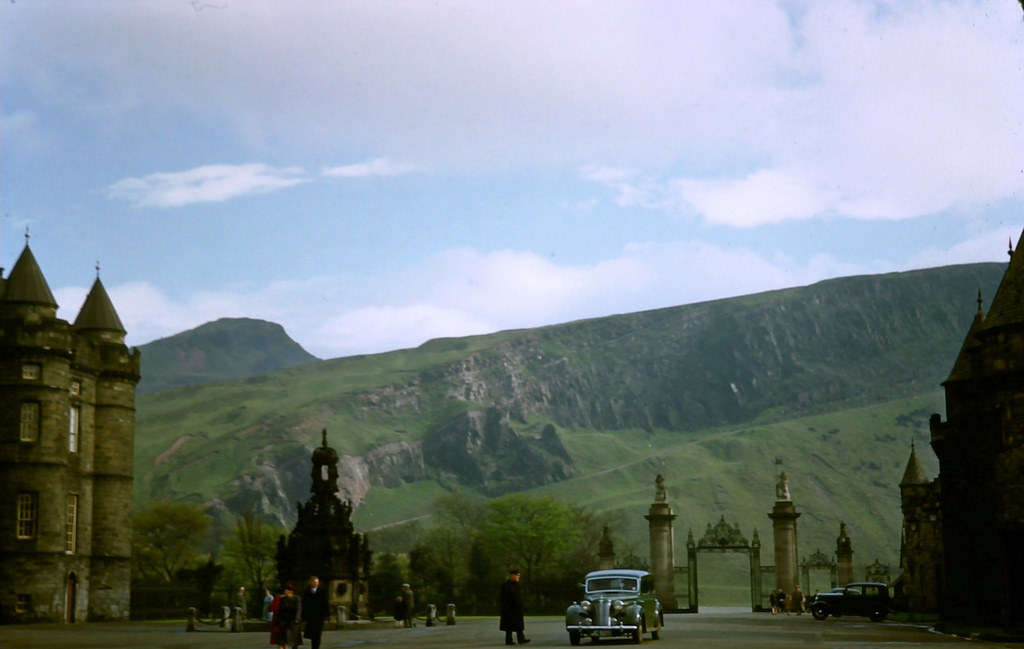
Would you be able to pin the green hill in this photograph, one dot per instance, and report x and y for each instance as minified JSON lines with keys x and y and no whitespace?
{"x":229,"y":348}
{"x":835,"y":378}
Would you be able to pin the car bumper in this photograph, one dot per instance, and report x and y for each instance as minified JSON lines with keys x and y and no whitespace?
{"x":611,"y":629}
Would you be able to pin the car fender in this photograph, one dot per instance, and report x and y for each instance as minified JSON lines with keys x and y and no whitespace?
{"x":573,"y":614}
{"x":633,"y":614}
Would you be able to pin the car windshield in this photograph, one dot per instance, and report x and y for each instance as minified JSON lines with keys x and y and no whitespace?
{"x":612,"y":583}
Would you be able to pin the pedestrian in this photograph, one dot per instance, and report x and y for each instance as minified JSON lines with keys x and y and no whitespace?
{"x":284,"y":628}
{"x":268,"y":599}
{"x":400,"y":609}
{"x":798,"y":600}
{"x":512,"y":609}
{"x":783,"y":605}
{"x":240,"y":601}
{"x":315,"y":609}
{"x":410,"y":606}
{"x":773,"y":598}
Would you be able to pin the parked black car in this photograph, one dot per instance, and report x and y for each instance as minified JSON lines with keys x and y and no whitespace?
{"x":868,"y":598}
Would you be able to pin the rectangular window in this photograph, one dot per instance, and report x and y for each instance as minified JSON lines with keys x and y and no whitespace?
{"x":71,"y":525}
{"x":27,"y":514}
{"x":76,"y":388}
{"x":31,"y":371}
{"x":23,"y":604}
{"x":73,"y":419}
{"x":29,"y":421}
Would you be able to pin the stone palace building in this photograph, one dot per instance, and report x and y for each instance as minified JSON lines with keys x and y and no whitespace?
{"x":67,"y":426}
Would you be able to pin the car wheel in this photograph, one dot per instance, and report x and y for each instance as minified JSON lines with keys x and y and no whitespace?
{"x":574,"y":638}
{"x":638,"y":635}
{"x":820,"y":612}
{"x":655,"y":634}
{"x":877,"y":616}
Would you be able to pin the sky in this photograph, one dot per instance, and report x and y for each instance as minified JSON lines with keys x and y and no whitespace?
{"x":372,"y":175}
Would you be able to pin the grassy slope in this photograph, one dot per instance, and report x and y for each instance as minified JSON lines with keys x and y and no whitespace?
{"x":260,"y":407}
{"x":732,"y":473}
{"x":843,"y":465}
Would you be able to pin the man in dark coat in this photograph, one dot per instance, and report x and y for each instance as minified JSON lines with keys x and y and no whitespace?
{"x":315,"y":609}
{"x":512,"y":609}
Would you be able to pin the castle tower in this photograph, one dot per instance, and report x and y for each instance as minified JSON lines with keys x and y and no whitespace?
{"x":64,"y":469}
{"x":110,"y":373}
{"x":921,"y":554}
{"x":844,"y":557}
{"x":980,"y":448}
{"x":784,"y":516}
{"x":660,"y":519}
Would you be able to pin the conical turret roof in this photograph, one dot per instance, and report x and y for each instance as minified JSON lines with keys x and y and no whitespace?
{"x":98,"y":311}
{"x":962,"y":365}
{"x":26,"y":283}
{"x":914,"y":474}
{"x":1008,"y":304}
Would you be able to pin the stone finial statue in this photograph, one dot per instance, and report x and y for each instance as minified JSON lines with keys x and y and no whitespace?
{"x":782,"y":488}
{"x":659,"y":489}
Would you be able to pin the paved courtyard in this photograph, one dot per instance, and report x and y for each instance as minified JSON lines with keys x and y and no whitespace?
{"x":725,"y":628}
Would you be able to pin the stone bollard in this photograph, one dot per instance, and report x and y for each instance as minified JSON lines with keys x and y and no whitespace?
{"x":342,"y":616}
{"x":431,"y":614}
{"x":190,"y":619}
{"x":237,"y":620}
{"x":450,"y":616}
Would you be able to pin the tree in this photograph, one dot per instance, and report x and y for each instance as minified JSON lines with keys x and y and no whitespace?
{"x":165,"y":537}
{"x":440,"y":559}
{"x":249,"y":551}
{"x":386,"y":583}
{"x":531,"y":534}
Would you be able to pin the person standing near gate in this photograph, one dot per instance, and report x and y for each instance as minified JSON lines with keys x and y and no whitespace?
{"x":315,"y":609}
{"x":410,"y":606}
{"x":512,"y":609}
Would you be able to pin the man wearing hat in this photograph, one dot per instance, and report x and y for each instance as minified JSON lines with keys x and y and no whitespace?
{"x":512,"y":609}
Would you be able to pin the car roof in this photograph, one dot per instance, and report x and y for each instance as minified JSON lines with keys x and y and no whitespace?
{"x":623,"y":572}
{"x":867,"y":583}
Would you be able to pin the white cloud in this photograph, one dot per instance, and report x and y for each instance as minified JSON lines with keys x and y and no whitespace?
{"x":371,"y":168}
{"x":766,"y":196}
{"x":867,"y":109}
{"x":206,"y":184}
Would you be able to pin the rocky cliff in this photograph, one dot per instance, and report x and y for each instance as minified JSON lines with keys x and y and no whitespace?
{"x":489,"y":412}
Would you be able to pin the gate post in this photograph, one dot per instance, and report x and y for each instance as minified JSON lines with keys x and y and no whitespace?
{"x":691,"y":565}
{"x":660,"y":519}
{"x":755,"y":573}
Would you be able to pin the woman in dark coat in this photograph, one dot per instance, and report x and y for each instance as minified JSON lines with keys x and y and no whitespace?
{"x":284,"y":628}
{"x":512,"y":609}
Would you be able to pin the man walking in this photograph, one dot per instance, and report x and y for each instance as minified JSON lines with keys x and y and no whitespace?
{"x":512,"y":609}
{"x":314,"y":611}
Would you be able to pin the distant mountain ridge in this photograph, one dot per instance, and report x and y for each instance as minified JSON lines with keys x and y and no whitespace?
{"x":707,"y":393}
{"x":223,"y":350}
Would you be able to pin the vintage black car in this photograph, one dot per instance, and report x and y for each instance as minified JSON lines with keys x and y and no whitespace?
{"x":615,"y":603}
{"x":866,"y":598}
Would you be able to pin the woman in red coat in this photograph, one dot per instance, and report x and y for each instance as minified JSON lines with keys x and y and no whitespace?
{"x":287,"y":616}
